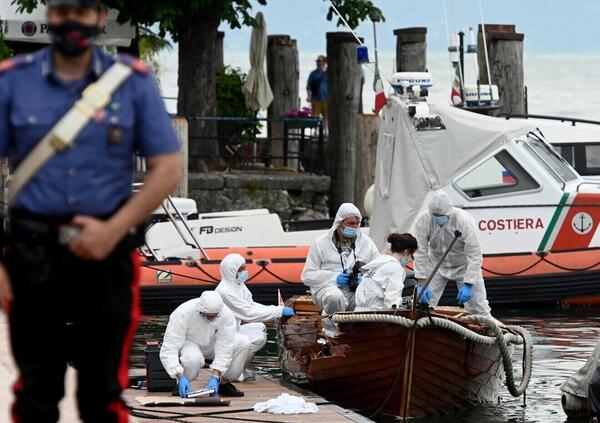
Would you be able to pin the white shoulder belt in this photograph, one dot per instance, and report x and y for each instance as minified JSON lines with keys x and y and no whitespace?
{"x":61,"y":137}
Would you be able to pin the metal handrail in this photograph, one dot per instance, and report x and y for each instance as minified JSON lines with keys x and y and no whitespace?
{"x":573,"y":121}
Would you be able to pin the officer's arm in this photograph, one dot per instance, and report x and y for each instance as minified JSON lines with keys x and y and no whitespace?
{"x":164,"y":172}
{"x":157,"y":142}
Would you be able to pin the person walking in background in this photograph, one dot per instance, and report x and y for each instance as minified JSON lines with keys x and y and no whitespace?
{"x":316,"y":89}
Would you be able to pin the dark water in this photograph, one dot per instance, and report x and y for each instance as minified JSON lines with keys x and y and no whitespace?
{"x":563,"y":341}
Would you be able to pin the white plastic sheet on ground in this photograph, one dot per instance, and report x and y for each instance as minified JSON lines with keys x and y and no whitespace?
{"x":256,"y":88}
{"x":286,"y":404}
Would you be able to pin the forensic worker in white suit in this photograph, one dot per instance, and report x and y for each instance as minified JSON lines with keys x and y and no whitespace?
{"x":434,"y":230}
{"x":249,"y":314}
{"x":204,"y":328}
{"x":331,"y":260}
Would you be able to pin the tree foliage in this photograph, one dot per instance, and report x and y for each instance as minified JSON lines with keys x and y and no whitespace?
{"x":169,"y":14}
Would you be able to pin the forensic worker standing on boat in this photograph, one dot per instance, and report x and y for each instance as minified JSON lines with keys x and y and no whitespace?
{"x":383,"y":278}
{"x":204,"y":328}
{"x":434,"y":230}
{"x":71,"y":118}
{"x":249,"y":314}
{"x":330,"y":263}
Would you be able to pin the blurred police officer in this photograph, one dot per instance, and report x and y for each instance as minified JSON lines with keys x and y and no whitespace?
{"x":68,"y":277}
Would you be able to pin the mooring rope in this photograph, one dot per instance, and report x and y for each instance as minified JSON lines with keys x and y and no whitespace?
{"x":503,"y":340}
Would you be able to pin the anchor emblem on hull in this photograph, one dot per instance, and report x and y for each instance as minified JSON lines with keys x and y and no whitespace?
{"x":582,"y":223}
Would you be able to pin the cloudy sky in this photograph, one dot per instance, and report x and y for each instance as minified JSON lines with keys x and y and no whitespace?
{"x":550,"y":26}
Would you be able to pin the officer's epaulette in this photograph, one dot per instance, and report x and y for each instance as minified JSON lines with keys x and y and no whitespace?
{"x":15,"y":62}
{"x":134,"y":63}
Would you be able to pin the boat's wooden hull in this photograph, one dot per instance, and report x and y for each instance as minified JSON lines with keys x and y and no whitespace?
{"x":368,"y":360}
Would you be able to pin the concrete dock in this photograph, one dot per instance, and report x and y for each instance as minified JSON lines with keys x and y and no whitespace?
{"x":262,"y":389}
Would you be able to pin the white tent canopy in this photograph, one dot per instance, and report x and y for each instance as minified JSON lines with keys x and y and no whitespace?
{"x":412,"y":163}
{"x":33,"y":28}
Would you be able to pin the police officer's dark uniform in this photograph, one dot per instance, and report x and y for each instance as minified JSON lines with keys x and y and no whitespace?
{"x":66,"y":309}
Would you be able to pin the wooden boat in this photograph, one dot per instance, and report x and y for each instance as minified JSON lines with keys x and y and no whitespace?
{"x":381,"y":367}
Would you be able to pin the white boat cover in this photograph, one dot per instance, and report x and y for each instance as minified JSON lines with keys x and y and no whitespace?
{"x":411,"y":163}
{"x":32,"y":27}
{"x":578,"y":383}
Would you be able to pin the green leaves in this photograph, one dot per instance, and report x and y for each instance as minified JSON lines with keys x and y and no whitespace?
{"x":237,"y":13}
{"x":354,"y":12}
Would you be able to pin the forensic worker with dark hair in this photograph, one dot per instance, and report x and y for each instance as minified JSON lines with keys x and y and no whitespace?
{"x":72,"y":118}
{"x":383,"y":278}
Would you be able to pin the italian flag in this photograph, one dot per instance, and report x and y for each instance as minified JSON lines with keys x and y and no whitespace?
{"x":380,"y":99}
{"x":455,"y":97}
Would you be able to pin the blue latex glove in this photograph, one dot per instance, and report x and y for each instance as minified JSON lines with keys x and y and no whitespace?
{"x":213,"y":383}
{"x":464,"y":293}
{"x":287,"y":312}
{"x":342,"y":279}
{"x":185,"y":387}
{"x":426,"y":296}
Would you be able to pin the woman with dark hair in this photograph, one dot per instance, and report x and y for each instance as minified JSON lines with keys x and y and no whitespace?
{"x":383,"y":280}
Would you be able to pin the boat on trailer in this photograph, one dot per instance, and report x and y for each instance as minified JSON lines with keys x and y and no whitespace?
{"x":402,"y":363}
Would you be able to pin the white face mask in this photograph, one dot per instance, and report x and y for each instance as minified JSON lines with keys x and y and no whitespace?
{"x":242,"y":276}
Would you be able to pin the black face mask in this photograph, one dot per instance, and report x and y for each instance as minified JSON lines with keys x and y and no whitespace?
{"x":72,"y":38}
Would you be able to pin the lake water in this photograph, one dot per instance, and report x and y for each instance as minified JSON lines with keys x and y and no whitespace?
{"x":563,"y":341}
{"x":558,"y":84}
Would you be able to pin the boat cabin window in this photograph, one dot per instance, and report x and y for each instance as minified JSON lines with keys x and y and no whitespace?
{"x":553,"y":161}
{"x":500,"y":174}
{"x":583,"y":157}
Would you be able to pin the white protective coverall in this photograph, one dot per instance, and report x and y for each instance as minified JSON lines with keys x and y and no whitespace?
{"x":238,"y":298}
{"x":190,"y":338}
{"x":324,"y":263}
{"x":382,"y":284}
{"x":463,"y":263}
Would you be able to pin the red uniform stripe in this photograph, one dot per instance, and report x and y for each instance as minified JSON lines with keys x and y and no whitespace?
{"x":117,"y":406}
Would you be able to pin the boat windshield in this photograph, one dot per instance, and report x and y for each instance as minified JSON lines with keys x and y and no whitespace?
{"x":548,"y":157}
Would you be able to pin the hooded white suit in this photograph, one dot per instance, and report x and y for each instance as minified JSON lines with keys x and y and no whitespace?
{"x":324,"y":263}
{"x":238,"y":298}
{"x":382,"y":284}
{"x":190,"y":338}
{"x":463,"y":263}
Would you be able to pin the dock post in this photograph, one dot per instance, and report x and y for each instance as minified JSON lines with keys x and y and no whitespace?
{"x":505,"y":50}
{"x":283,"y":72}
{"x":411,"y":49}
{"x":180,"y":125}
{"x":343,"y":78}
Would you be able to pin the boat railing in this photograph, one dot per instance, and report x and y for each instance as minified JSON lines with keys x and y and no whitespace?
{"x":176,"y":219}
{"x":573,"y":121}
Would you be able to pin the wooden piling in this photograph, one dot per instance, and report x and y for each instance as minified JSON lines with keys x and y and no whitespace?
{"x":411,"y":49}
{"x":505,"y":51}
{"x":366,"y":151}
{"x":180,"y":125}
{"x":343,"y":78}
{"x":283,"y":72}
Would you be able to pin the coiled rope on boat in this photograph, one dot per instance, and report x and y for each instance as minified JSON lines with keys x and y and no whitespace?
{"x":515,"y":335}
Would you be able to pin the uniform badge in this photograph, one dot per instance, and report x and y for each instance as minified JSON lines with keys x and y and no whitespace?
{"x":115,"y":135}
